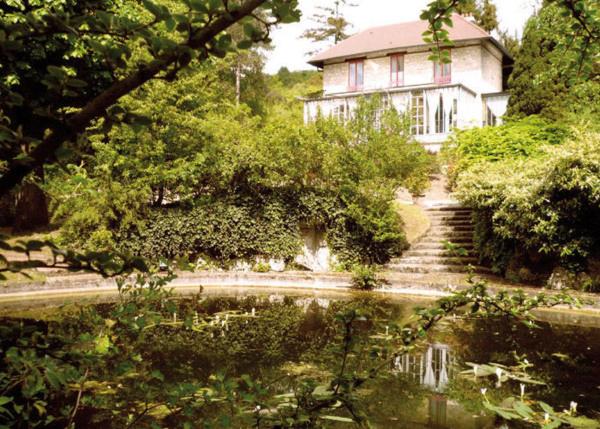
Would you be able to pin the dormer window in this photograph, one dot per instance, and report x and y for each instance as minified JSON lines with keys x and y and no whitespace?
{"x":442,"y":72}
{"x":396,"y":70}
{"x":356,"y":75}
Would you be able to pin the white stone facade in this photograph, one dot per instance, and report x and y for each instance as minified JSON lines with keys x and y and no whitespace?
{"x":471,"y":96}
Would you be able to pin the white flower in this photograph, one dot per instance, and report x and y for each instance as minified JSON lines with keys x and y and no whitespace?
{"x":475,"y":368}
{"x":546,"y":417}
{"x":483,"y":391}
{"x":573,"y":407}
{"x":522,"y":390}
{"x":499,"y":375}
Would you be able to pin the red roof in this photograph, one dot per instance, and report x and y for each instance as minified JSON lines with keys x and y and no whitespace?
{"x":398,"y":36}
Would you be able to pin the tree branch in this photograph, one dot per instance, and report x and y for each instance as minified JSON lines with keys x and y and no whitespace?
{"x":76,"y":124}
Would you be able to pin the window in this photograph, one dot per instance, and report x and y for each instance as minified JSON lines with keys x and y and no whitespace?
{"x":396,"y":70}
{"x":417,"y":113}
{"x":383,"y":107}
{"x":339,"y":113}
{"x":356,"y":75}
{"x":442,"y":72}
{"x":440,"y":123}
{"x":454,"y":114}
{"x":490,"y":118}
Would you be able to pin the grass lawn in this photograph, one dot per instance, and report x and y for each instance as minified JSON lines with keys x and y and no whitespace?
{"x":416,"y":222}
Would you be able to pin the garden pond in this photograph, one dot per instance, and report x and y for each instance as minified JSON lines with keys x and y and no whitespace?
{"x":258,"y":353}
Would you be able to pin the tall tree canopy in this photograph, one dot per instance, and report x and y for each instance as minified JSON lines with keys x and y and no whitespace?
{"x":547,"y":78}
{"x":484,"y":12}
{"x":65,"y":64}
{"x":331,"y":25}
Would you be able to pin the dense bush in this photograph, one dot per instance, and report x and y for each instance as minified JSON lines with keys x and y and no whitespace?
{"x":238,"y":187}
{"x":513,"y":140}
{"x":544,"y":208}
{"x":222,"y":229}
{"x":227,"y":228}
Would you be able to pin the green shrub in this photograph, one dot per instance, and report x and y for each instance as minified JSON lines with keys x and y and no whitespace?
{"x":514,"y":140}
{"x":366,"y":277}
{"x":268,"y":225}
{"x":549,"y":204}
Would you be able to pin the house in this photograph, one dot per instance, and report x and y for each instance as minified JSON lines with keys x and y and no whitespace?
{"x":393,"y":61}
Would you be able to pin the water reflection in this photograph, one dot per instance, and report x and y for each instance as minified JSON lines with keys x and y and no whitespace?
{"x":431,"y":369}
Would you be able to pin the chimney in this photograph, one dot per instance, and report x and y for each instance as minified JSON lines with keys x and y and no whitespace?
{"x":469,"y":17}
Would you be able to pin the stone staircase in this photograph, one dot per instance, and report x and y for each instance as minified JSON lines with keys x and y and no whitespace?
{"x":432,"y":253}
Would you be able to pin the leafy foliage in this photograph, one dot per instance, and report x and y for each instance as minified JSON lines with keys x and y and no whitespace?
{"x":547,"y":204}
{"x":233,"y":187}
{"x":366,"y":277}
{"x":516,"y":139}
{"x":82,"y":56}
{"x":332,"y":26}
{"x":555,"y":73}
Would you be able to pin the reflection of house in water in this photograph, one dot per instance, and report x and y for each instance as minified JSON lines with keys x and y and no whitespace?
{"x":432,"y":369}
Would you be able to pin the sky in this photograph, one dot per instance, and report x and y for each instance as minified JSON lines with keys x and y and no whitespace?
{"x":290,"y":49}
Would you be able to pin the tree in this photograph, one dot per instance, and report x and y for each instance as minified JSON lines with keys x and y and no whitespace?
{"x":332,"y":26}
{"x":510,"y":42}
{"x":545,"y":79}
{"x":485,"y":13}
{"x":467,"y":7}
{"x":487,"y":17}
{"x":66,"y":64}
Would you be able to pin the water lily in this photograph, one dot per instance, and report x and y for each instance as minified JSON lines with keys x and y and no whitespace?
{"x":573,"y":407}
{"x":499,"y":372}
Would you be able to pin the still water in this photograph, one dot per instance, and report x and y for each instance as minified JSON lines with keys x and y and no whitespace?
{"x":295,"y":335}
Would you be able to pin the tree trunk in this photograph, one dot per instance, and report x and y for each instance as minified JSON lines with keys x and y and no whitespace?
{"x":7,"y":209}
{"x":32,"y":209}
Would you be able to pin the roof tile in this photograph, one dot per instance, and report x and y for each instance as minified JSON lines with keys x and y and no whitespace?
{"x":396,"y":36}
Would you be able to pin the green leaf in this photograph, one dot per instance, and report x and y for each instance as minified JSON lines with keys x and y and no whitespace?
{"x":199,"y":6}
{"x":547,"y":408}
{"x":214,"y":5}
{"x":153,"y":8}
{"x":244,"y":44}
{"x":57,"y":72}
{"x":102,"y":344}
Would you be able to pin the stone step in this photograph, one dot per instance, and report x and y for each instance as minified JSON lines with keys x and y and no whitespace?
{"x":436,"y":260}
{"x":451,"y":228}
{"x":450,"y":220}
{"x":431,"y":252}
{"x":438,"y":246}
{"x":449,"y":234}
{"x":449,"y":216}
{"x":457,"y":209}
{"x":419,"y":268}
{"x":451,"y":238}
